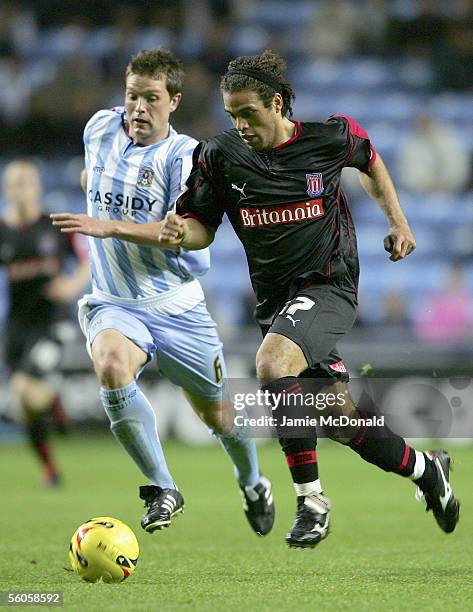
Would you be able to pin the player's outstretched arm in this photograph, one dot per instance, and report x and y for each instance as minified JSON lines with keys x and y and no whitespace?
{"x":379,"y":186}
{"x":141,"y":233}
{"x":173,"y":232}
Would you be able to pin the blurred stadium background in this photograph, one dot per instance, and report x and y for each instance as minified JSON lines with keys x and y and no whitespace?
{"x":403,"y":69}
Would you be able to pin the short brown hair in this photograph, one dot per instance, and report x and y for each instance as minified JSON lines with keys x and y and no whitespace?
{"x":268,"y":63}
{"x":157,"y":62}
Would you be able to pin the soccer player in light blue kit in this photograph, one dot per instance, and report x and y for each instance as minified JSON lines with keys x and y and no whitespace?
{"x":147,"y":301}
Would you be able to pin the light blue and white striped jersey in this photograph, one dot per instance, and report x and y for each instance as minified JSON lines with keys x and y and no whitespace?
{"x":138,"y":184}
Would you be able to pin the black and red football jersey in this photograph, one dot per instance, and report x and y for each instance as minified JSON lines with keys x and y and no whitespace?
{"x":33,"y":255}
{"x":286,"y":205}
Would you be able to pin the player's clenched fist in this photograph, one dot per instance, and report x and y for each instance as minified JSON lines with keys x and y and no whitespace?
{"x":399,"y":242}
{"x":172,"y":230}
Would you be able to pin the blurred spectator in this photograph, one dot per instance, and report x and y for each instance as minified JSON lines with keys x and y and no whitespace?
{"x":75,"y":90}
{"x":425,"y":29}
{"x":7,"y":46}
{"x":432,"y":158}
{"x":168,"y":14}
{"x":60,"y":110}
{"x":121,"y":38}
{"x":447,"y":316}
{"x":373,"y":25}
{"x":334,"y":30}
{"x":216,"y":53}
{"x":200,"y":89}
{"x":454,"y":65}
{"x":446,"y":41}
{"x":18,"y":28}
{"x":16,"y":86}
{"x":395,"y":322}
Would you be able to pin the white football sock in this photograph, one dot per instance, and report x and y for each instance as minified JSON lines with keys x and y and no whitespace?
{"x":307,"y":488}
{"x":419,"y":466}
{"x":133,"y":423}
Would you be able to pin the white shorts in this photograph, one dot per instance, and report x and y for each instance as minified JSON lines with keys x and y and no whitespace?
{"x":187,"y":347}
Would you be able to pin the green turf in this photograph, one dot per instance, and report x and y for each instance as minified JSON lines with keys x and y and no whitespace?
{"x":384,"y":552}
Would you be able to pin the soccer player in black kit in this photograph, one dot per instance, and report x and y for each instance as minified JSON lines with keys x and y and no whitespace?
{"x":278,"y":181}
{"x":34,"y":255}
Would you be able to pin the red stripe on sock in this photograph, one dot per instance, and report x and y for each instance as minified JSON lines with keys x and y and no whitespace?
{"x":302,"y":458}
{"x":45,"y":455}
{"x":58,"y":412}
{"x":405,"y":459}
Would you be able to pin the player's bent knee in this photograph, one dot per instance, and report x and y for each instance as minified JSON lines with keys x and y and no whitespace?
{"x":112,"y":370}
{"x":268,"y":370}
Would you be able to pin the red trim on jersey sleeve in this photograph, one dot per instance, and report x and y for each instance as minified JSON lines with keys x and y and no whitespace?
{"x":358,"y":130}
{"x":189,"y":215}
{"x":205,"y":167}
{"x":355,"y":128}
{"x":296,"y":135}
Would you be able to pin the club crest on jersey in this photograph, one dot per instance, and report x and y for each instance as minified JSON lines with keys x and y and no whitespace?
{"x":145,"y":177}
{"x":315,"y":184}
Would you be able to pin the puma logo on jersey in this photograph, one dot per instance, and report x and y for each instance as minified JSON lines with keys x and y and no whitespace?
{"x":240,"y":189}
{"x":293,"y":321}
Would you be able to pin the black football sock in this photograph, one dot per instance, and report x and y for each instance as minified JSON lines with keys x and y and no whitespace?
{"x":58,"y":413}
{"x":37,"y":431}
{"x":301,"y":458}
{"x":380,"y":446}
{"x":300,"y":452}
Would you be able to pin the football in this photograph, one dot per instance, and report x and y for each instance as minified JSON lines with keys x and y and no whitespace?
{"x":104,"y":549}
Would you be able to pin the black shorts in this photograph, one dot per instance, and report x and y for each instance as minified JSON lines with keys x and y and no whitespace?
{"x":316,"y":318}
{"x":35,"y":350}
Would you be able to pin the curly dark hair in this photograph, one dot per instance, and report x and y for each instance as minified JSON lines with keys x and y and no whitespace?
{"x":267,"y":62}
{"x":157,"y":62}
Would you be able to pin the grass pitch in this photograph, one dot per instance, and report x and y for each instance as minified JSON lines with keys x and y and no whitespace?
{"x":384,"y":552}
